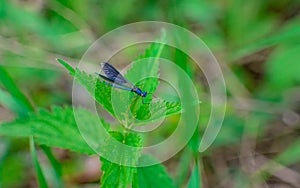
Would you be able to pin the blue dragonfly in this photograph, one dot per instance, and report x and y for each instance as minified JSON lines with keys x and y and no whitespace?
{"x":114,"y":78}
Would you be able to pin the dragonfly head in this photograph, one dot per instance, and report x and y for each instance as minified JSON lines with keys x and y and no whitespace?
{"x":139,"y":92}
{"x":144,"y":94}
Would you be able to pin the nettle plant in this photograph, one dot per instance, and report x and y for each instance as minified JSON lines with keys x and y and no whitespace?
{"x":58,"y":127}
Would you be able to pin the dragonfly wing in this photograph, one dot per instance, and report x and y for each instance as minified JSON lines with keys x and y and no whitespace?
{"x":114,"y":75}
{"x":113,"y":84}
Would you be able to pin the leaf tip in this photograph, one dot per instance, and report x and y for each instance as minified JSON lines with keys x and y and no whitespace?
{"x":66,"y":65}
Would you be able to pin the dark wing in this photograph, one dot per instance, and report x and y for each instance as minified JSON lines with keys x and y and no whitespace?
{"x":113,"y":84}
{"x":114,"y":75}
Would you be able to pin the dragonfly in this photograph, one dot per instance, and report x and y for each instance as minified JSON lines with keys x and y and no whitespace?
{"x":114,"y":78}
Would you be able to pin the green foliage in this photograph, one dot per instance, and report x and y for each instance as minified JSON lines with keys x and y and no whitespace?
{"x":281,"y":79}
{"x":9,"y":102}
{"x":152,"y":176}
{"x":13,"y":166}
{"x":56,"y":166}
{"x":15,"y":92}
{"x":40,"y":175}
{"x":103,"y":93}
{"x":45,"y":125}
{"x":258,"y":50}
{"x":55,"y":128}
{"x":115,"y":175}
{"x":21,"y":106}
{"x":99,"y":90}
{"x":183,"y":166}
{"x":67,"y":66}
{"x":194,"y":180}
{"x":147,"y":66}
{"x":289,"y":33}
{"x":290,"y":155}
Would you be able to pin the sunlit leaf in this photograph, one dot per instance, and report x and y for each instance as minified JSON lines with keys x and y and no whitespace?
{"x":103,"y":94}
{"x":115,"y":175}
{"x":55,"y":128}
{"x":152,"y":176}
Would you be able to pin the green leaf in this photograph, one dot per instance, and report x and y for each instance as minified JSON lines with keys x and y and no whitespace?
{"x":158,"y":109}
{"x":288,"y":33}
{"x":97,"y":89}
{"x":123,"y":155}
{"x":57,"y":168}
{"x":56,"y":128}
{"x":40,"y":175}
{"x":123,"y":104}
{"x":19,"y":104}
{"x":194,"y":180}
{"x":16,"y":93}
{"x":67,"y":66}
{"x":18,"y":17}
{"x":152,"y":176}
{"x":281,"y":79}
{"x":115,"y":175}
{"x":291,"y":155}
{"x":147,"y":66}
{"x":183,"y":167}
{"x":9,"y":102}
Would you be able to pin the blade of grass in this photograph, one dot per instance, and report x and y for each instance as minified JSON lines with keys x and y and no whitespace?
{"x":287,"y":33}
{"x":183,"y":167}
{"x":9,"y":102}
{"x":195,"y":179}
{"x":12,"y":88}
{"x":291,"y":155}
{"x":4,"y":146}
{"x":19,"y":104}
{"x":40,"y":175}
{"x":56,"y":166}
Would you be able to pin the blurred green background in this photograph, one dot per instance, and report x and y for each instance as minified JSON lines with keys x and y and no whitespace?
{"x":257,"y":44}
